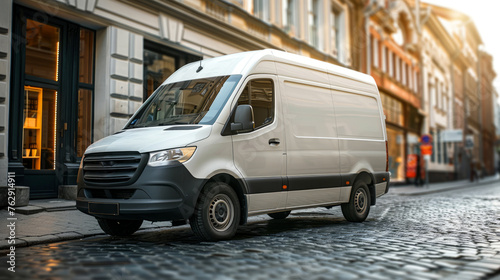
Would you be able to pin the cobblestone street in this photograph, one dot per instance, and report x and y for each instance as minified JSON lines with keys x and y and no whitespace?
{"x":454,"y":235}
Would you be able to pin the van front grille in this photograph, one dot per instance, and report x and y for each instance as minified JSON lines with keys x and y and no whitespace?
{"x":112,"y":168}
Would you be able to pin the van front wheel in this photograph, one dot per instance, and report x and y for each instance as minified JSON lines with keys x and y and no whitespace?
{"x":358,"y":207}
{"x":119,"y":227}
{"x":217,"y":213}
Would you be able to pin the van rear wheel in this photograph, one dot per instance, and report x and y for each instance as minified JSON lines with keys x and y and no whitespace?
{"x":119,"y":227}
{"x":217,"y":213}
{"x":358,"y":207}
{"x":279,"y":215}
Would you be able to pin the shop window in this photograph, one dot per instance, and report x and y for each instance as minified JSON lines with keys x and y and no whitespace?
{"x":40,"y":114}
{"x":159,"y":63}
{"x":85,"y":91}
{"x":42,"y":50}
{"x":395,"y":140}
{"x":393,"y":109}
{"x":40,"y":103}
{"x":86,"y":56}
{"x":157,"y":68}
{"x":84,"y":130}
{"x":42,"y":67}
{"x":414,"y":121}
{"x":260,"y":94}
{"x":50,"y":120}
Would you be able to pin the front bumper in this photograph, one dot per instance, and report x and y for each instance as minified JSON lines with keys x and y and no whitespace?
{"x":161,"y":193}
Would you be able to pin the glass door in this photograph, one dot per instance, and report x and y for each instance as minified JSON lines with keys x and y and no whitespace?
{"x":51,"y":120}
{"x":42,"y":85}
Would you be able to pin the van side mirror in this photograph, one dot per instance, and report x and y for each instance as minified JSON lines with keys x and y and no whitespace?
{"x":243,"y":119}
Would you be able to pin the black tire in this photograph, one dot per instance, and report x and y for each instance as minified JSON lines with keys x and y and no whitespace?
{"x":279,"y":215}
{"x":119,"y":227}
{"x":358,"y":207}
{"x":217,"y":213}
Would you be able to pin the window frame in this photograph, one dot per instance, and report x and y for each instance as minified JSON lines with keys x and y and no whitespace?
{"x":313,"y":23}
{"x":181,"y":58}
{"x":234,"y":104}
{"x":91,"y":88}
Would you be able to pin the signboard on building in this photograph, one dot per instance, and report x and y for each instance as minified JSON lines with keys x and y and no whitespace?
{"x":452,"y":135}
{"x":426,"y":149}
{"x":469,"y":141}
{"x":412,"y":139}
{"x":426,"y":139}
{"x":411,"y":166}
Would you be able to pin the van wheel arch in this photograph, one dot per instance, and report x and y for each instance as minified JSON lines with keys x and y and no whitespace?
{"x":238,"y":187}
{"x":369,"y":180}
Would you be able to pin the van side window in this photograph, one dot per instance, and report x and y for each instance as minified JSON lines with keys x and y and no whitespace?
{"x":260,"y":95}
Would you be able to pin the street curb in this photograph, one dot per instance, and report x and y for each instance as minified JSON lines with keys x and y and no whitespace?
{"x":447,"y":189}
{"x":49,"y":238}
{"x":33,"y":209}
{"x":59,"y":237}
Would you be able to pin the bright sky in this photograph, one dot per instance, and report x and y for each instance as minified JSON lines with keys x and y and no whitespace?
{"x":487,"y":20}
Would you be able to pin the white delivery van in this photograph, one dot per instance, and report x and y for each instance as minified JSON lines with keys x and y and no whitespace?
{"x":261,"y":132}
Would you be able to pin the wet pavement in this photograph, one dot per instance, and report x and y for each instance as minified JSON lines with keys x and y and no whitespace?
{"x":449,"y":235}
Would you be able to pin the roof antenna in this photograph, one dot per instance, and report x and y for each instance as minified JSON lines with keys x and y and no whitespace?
{"x":200,"y":67}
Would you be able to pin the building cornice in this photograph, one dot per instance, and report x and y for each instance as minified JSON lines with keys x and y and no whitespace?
{"x":441,"y":34}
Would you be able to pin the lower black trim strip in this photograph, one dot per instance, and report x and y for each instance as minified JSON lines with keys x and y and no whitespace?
{"x":299,"y":183}
{"x":264,"y":185}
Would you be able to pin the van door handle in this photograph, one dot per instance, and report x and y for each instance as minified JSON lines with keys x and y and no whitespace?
{"x":274,"y":141}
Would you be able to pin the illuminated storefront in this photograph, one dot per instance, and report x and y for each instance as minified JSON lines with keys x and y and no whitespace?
{"x":51,"y":105}
{"x":403,"y":123}
{"x":54,"y":110}
{"x":393,"y":110}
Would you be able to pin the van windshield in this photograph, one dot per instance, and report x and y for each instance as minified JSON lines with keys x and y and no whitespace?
{"x":188,"y":102}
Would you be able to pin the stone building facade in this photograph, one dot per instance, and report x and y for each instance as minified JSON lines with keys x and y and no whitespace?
{"x":82,"y":67}
{"x":73,"y":71}
{"x":452,"y":76}
{"x":488,"y":100}
{"x":395,"y":68}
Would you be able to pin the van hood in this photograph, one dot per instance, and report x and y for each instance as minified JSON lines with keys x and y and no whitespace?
{"x":150,"y":139}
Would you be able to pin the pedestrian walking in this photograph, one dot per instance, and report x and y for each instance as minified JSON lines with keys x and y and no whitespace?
{"x":418,"y":177}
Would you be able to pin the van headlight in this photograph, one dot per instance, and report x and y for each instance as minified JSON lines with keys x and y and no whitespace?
{"x":165,"y":157}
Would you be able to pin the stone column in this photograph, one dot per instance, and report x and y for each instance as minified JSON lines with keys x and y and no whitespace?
{"x":119,"y":79}
{"x":5,"y":42}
